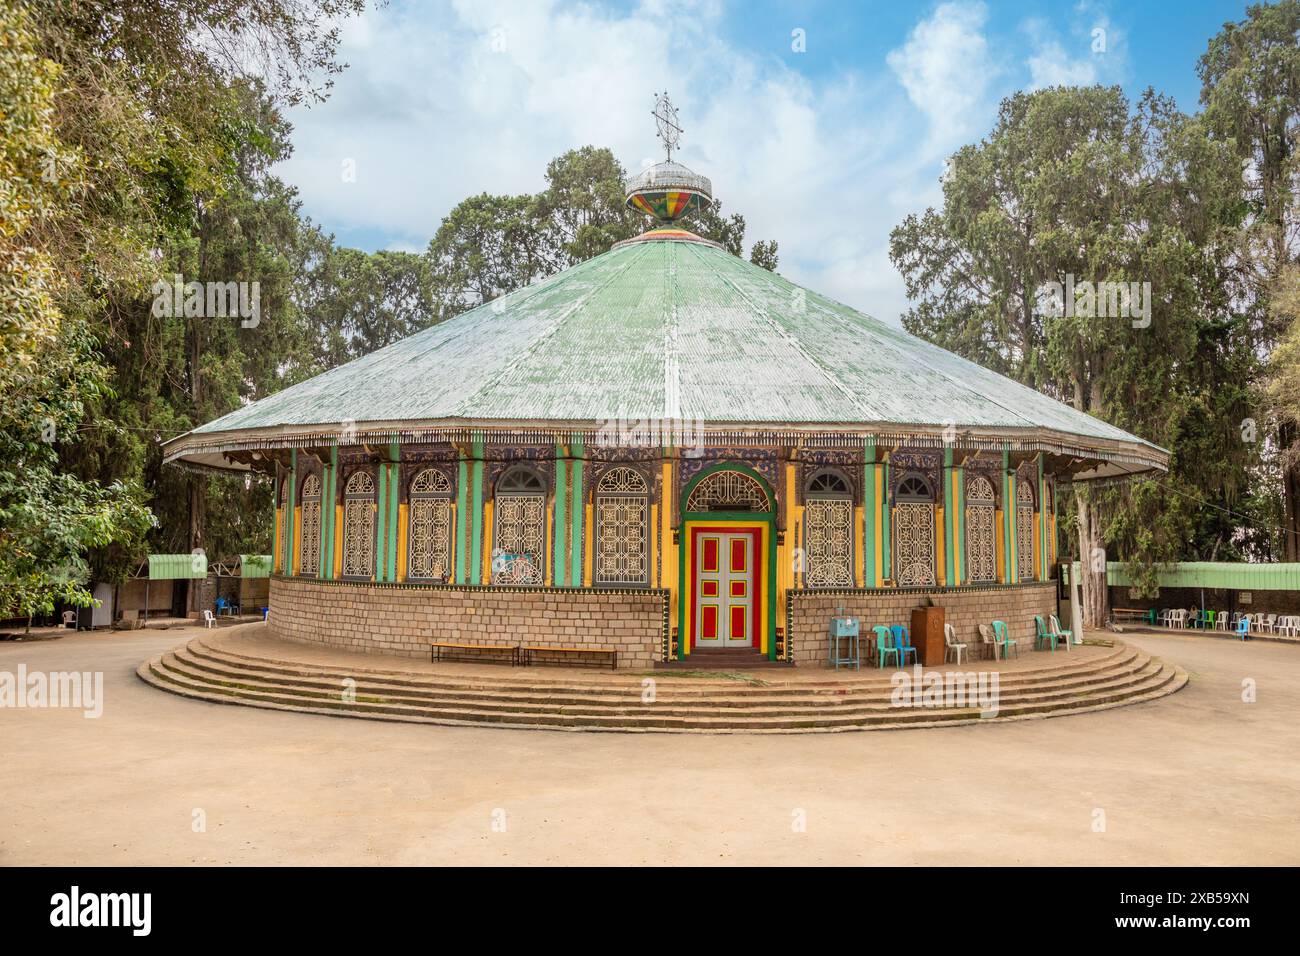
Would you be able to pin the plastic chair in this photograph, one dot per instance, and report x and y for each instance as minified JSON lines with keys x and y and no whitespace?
{"x":884,"y":645}
{"x":903,"y":641}
{"x":1060,"y":633}
{"x":1042,"y":635}
{"x":950,"y":643}
{"x":208,"y":618}
{"x":221,"y":606}
{"x":1243,"y":628}
{"x":1002,"y":637}
{"x":1150,"y":616}
{"x":987,"y":642}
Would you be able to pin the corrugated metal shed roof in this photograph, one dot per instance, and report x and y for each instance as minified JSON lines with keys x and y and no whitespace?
{"x":254,"y":565}
{"x":1216,"y":574}
{"x":168,"y":567}
{"x":663,"y":327}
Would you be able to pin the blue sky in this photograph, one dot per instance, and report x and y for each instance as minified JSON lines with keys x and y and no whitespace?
{"x":824,"y":150}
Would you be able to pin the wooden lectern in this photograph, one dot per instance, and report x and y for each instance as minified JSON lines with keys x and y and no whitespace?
{"x":927,"y":635}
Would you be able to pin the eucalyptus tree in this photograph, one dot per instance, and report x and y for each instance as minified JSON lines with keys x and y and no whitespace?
{"x":1074,"y":186}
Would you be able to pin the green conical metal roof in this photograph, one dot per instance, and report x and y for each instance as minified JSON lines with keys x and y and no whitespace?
{"x":668,"y":326}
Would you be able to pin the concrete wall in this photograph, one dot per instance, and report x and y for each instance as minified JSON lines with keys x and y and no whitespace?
{"x":964,"y":608}
{"x":402,"y":619}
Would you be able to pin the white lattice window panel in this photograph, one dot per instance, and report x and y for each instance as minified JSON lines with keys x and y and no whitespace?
{"x":728,"y":491}
{"x":429,"y":548}
{"x":1025,"y":532}
{"x":520,"y":539}
{"x":622,"y":520}
{"x":981,"y":531}
{"x":914,"y":544}
{"x":309,"y":557}
{"x":828,"y":542}
{"x":359,"y":526}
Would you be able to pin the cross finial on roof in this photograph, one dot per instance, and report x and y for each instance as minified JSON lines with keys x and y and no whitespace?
{"x":665,"y":115}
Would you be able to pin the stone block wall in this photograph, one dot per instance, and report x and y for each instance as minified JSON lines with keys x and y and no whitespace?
{"x":964,"y":609}
{"x":401,"y":620}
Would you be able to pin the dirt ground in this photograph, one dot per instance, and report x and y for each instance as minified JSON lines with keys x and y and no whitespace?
{"x":1201,"y":777}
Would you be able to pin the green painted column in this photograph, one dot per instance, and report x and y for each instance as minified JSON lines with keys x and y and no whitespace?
{"x":394,"y":505}
{"x":476,"y":517}
{"x":290,"y":501}
{"x":559,"y":547}
{"x":963,"y":572}
{"x":381,"y":525}
{"x":329,"y":480}
{"x":1042,"y":523}
{"x":1009,"y":517}
{"x":887,"y":539}
{"x":870,"y":515}
{"x":578,"y":511}
{"x":949,"y":519}
{"x":462,"y":519}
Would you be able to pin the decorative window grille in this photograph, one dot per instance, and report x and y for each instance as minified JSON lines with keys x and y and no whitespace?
{"x":429,"y":551}
{"x":828,"y":532}
{"x":1024,"y":531}
{"x":309,"y":559}
{"x":914,"y":533}
{"x":622,"y":519}
{"x":519,"y":550}
{"x":728,"y":491}
{"x":981,"y":530}
{"x":359,"y":526}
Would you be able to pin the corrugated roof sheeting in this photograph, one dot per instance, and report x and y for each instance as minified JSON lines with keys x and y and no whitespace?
{"x":1216,"y":574}
{"x":664,"y":329}
{"x":170,"y":567}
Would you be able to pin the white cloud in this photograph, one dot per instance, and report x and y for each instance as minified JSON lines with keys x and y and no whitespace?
{"x":1093,"y":50}
{"x":946,"y":69}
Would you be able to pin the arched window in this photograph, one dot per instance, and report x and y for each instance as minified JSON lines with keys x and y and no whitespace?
{"x":359,"y":526}
{"x":1024,"y":530}
{"x":429,"y":550}
{"x":914,"y":532}
{"x":622,"y":519}
{"x":519,"y":550}
{"x":828,"y":531}
{"x":728,"y":491}
{"x":309,"y":558}
{"x":981,"y":530}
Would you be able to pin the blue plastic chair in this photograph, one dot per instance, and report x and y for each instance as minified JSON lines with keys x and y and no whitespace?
{"x":884,"y":646}
{"x":903,"y":641}
{"x":221,"y":606}
{"x":1243,"y":628}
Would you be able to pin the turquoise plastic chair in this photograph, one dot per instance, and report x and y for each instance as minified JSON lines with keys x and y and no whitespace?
{"x":1243,"y":628}
{"x":884,"y":645}
{"x":1042,"y":635}
{"x":1150,"y":616}
{"x":1002,"y":637}
{"x":903,"y":641}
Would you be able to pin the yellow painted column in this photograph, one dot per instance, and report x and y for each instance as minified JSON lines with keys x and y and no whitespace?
{"x":940,"y":564}
{"x":487,"y":544}
{"x":652,"y":536}
{"x":402,"y":529}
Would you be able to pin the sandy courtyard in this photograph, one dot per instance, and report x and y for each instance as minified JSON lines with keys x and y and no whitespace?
{"x":1197,"y":778}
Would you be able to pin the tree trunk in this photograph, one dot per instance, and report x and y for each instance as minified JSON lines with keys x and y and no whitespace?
{"x":1290,"y":494}
{"x":1092,"y":556}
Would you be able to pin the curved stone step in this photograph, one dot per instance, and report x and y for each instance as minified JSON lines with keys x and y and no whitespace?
{"x":755,"y":704}
{"x":773,"y":681}
{"x":1130,"y":679}
{"x":684,"y":688}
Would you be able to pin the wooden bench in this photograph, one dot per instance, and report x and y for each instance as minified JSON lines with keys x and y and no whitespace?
{"x":461,"y":651}
{"x":569,"y":653}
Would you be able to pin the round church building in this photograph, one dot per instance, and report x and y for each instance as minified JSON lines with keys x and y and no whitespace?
{"x":665,"y":452}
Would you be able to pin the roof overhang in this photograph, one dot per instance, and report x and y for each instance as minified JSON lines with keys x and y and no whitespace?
{"x":1086,"y":458}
